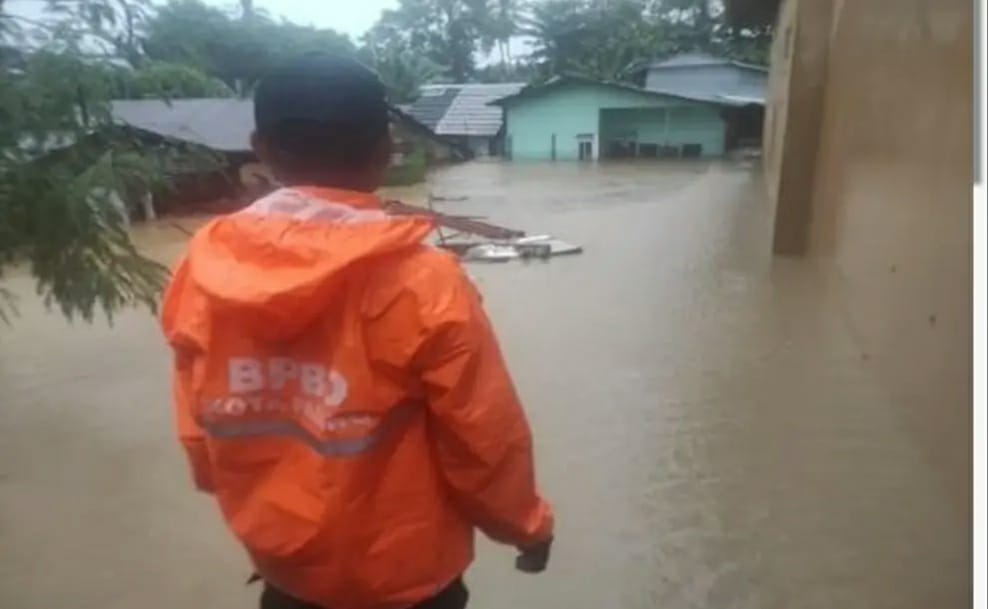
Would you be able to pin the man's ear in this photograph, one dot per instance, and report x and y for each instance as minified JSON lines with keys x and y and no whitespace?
{"x":382,"y":153}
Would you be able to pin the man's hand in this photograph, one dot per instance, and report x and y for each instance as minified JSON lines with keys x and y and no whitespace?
{"x":534,"y":558}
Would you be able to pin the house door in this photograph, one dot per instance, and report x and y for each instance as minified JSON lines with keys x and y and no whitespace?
{"x":586,"y":150}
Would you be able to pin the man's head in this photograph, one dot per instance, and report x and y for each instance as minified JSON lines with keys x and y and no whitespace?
{"x":322,"y":120}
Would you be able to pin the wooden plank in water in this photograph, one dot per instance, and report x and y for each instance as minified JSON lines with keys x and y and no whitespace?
{"x":458,"y":223}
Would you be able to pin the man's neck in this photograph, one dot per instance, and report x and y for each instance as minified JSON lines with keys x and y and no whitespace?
{"x":335,"y":182}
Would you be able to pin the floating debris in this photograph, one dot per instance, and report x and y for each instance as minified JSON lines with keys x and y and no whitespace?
{"x":495,"y":243}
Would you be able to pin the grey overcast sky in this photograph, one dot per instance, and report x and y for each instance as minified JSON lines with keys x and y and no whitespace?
{"x":353,"y":17}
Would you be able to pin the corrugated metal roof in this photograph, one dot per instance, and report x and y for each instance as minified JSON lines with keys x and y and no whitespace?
{"x":709,"y":78}
{"x":693,"y":60}
{"x":224,"y":125}
{"x":432,"y":105}
{"x":219,"y":124}
{"x":686,"y":60}
{"x":463,"y":109}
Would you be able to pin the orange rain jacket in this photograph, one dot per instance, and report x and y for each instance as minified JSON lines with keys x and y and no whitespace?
{"x":339,"y":389}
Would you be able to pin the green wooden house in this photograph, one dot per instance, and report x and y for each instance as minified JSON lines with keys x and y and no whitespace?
{"x":578,"y":118}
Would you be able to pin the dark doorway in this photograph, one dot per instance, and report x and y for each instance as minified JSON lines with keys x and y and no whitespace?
{"x":648,"y":150}
{"x":744,"y":127}
{"x":586,"y":150}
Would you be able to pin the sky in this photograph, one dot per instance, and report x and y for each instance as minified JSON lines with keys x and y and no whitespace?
{"x":353,"y":17}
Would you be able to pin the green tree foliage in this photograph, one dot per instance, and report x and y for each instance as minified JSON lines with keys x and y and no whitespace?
{"x":609,"y":39}
{"x":237,"y":51}
{"x":67,"y":175}
{"x":160,"y":79}
{"x":603,"y":40}
{"x":447,"y":32}
{"x":403,"y":73}
{"x":500,"y":22}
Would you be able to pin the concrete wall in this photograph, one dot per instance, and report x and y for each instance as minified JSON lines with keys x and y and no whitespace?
{"x":869,"y":159}
{"x":574,"y":110}
{"x":794,"y":112}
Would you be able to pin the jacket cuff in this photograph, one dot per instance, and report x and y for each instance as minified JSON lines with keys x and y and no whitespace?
{"x":202,"y":472}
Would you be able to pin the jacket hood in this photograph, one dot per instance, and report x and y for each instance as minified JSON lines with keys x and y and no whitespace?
{"x":277,"y":264}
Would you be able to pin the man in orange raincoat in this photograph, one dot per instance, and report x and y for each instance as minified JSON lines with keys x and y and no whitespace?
{"x":338,"y":387}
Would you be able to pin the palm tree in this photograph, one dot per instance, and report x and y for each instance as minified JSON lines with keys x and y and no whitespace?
{"x":558,"y":28}
{"x":404,"y":73}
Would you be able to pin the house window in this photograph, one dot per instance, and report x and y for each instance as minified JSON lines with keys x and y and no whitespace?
{"x":692,"y":151}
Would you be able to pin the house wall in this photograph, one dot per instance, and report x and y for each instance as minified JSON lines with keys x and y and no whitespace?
{"x":409,"y":141}
{"x":575,"y":110}
{"x":672,"y":126}
{"x":872,"y":168}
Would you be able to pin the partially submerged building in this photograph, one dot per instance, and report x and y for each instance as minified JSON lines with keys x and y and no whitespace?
{"x":739,"y":87}
{"x":578,"y":118}
{"x":462,"y":113}
{"x":705,"y":76}
{"x":691,"y":105}
{"x":223,"y":127}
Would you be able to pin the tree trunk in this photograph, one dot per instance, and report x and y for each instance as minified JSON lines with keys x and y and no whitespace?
{"x":704,"y":20}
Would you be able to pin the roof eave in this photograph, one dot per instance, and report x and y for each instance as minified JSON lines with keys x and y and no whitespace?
{"x":506,"y":101}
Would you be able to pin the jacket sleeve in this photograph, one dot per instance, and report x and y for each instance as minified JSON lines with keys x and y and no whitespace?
{"x":184,"y":349}
{"x":483,"y":440}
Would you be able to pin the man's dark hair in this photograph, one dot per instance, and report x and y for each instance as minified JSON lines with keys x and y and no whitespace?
{"x":322,"y":111}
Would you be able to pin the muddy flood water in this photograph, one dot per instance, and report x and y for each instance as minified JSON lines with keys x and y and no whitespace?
{"x":705,"y":425}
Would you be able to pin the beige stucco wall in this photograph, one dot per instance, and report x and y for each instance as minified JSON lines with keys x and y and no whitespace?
{"x":877,"y":190}
{"x":795,"y":111}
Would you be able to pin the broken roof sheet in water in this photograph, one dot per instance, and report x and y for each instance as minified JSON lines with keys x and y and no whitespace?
{"x":462,"y":109}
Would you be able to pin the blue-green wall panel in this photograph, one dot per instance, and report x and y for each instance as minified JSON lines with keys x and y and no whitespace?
{"x":572,"y":111}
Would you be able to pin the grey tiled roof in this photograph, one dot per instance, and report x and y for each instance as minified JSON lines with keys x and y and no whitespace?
{"x":219,"y":124}
{"x":463,"y":109}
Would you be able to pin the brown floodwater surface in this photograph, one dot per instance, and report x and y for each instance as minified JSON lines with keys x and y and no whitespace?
{"x":707,"y":427}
